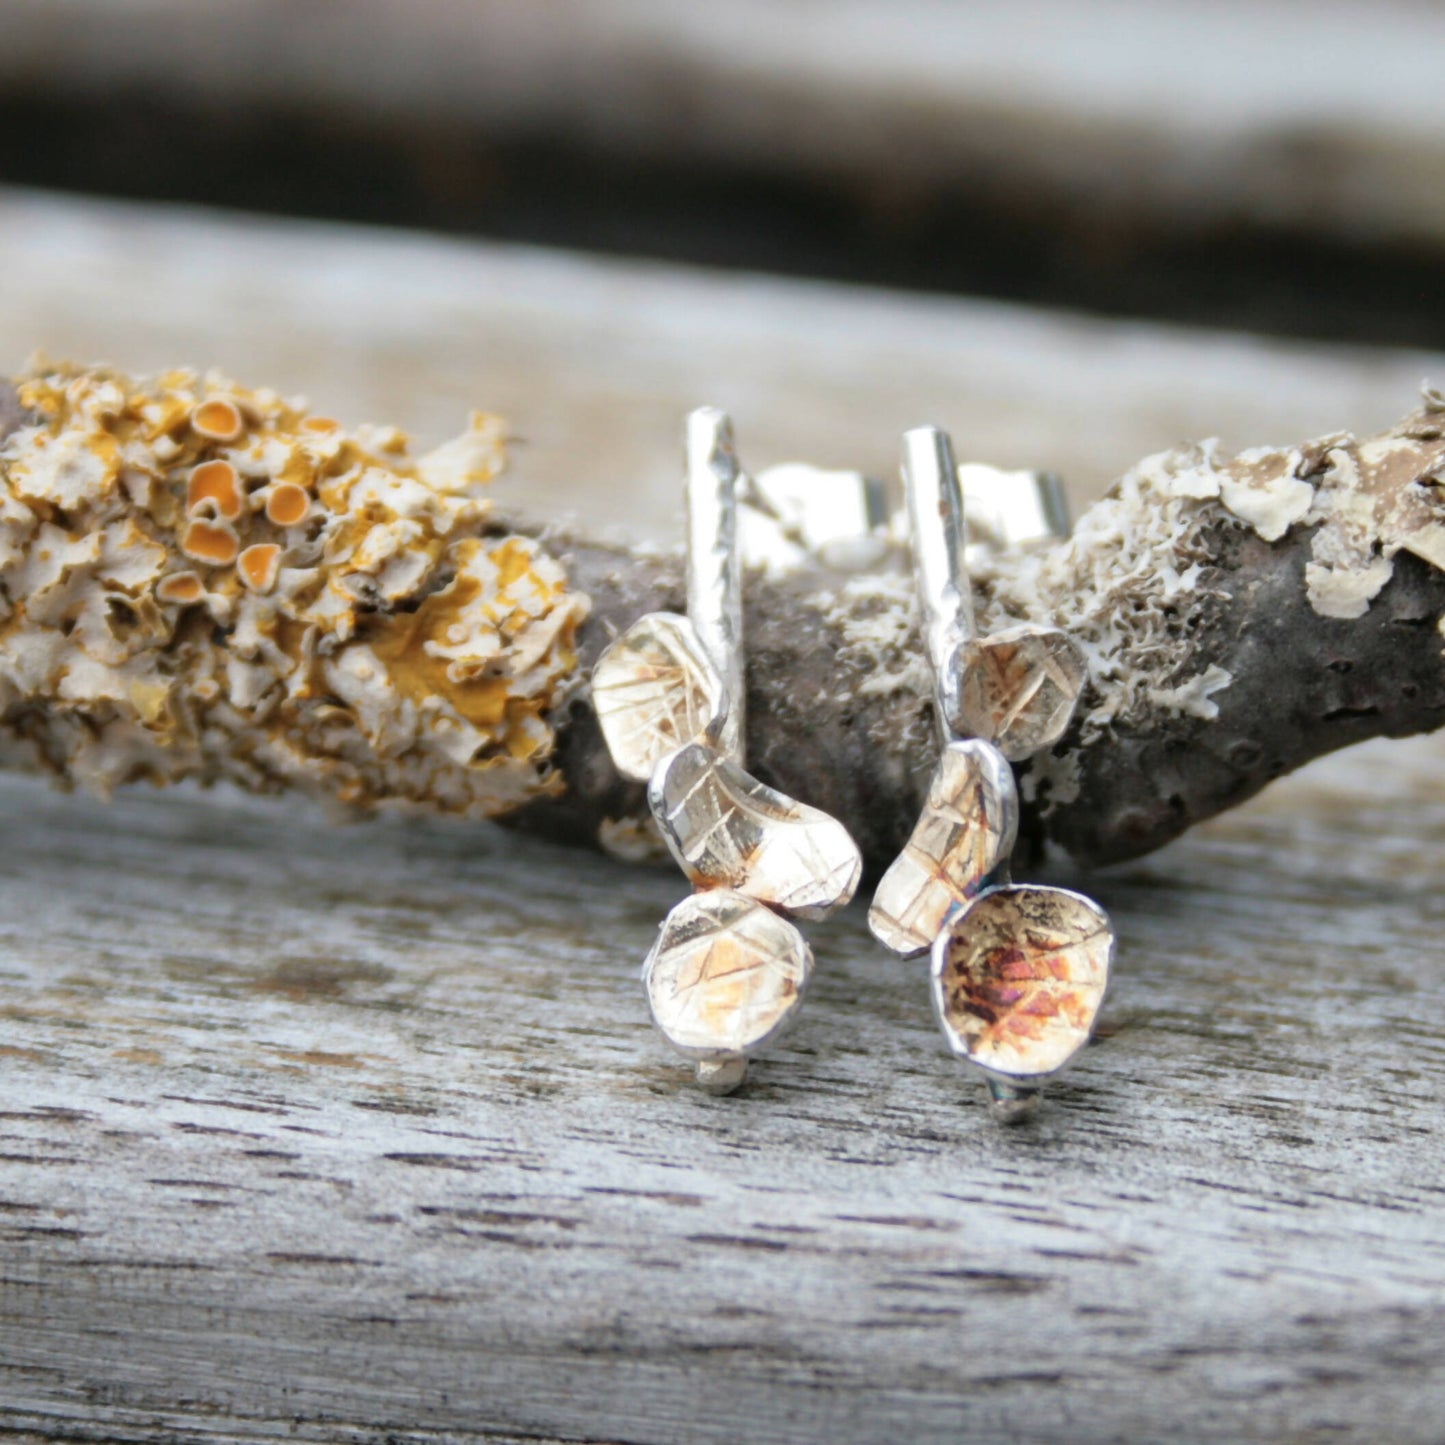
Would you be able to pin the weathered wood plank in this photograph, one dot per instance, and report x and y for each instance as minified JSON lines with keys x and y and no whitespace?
{"x":1197,"y":114}
{"x":342,"y":1134}
{"x":360,"y":1134}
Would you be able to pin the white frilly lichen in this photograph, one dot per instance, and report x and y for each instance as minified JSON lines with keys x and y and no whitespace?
{"x":197,"y":580}
{"x":1129,"y":584}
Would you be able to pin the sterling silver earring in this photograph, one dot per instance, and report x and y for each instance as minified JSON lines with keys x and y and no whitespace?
{"x":1018,"y":970}
{"x":728,"y":970}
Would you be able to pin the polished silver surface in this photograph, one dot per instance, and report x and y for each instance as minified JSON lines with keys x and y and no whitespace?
{"x":1019,"y":687}
{"x":963,"y":838}
{"x":654,"y":688}
{"x":1018,"y":977}
{"x":794,"y":514}
{"x":714,"y":562}
{"x":725,"y":976}
{"x":934,"y":501}
{"x":728,"y":830}
{"x":1013,"y":510}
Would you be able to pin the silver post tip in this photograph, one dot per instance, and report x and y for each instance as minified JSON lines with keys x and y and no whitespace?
{"x":1014,"y":1103}
{"x":722,"y":1076}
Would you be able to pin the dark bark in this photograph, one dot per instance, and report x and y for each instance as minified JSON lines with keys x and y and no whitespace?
{"x":1304,"y":685}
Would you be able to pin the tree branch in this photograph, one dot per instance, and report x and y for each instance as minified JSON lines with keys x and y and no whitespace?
{"x":1219,"y":656}
{"x":1241,"y":616}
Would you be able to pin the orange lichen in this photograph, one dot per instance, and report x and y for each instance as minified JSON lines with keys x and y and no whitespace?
{"x":397,"y":657}
{"x":182,"y":587}
{"x":218,"y":419}
{"x":287,"y":505}
{"x":217,"y":483}
{"x":258,"y":566}
{"x":212,"y":542}
{"x":417,"y":673}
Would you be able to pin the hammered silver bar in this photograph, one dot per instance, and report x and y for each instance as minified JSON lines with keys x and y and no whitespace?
{"x":714,"y":562}
{"x":934,"y":500}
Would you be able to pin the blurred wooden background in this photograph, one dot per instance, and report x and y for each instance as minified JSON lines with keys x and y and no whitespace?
{"x":1249,"y":163}
{"x":360,"y":1135}
{"x":595,"y":360}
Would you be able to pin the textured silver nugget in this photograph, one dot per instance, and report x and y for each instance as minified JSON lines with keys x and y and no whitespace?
{"x":727,"y":972}
{"x":1018,"y":971}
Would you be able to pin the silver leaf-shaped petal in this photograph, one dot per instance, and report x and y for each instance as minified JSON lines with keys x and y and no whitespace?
{"x":1019,"y":688}
{"x":1018,"y":977}
{"x":654,"y":689}
{"x":725,"y":975}
{"x":965,"y":833}
{"x":727,"y":830}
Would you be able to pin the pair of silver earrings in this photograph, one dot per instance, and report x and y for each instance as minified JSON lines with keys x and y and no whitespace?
{"x":1018,"y":970}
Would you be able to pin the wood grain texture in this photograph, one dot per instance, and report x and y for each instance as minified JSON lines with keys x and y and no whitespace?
{"x":363,"y":1136}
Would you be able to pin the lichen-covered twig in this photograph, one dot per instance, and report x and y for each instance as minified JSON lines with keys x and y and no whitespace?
{"x":1241,"y":616}
{"x":204,"y":581}
{"x":381,"y":637}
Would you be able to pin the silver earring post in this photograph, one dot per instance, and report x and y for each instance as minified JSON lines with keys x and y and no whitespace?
{"x":728,"y":970}
{"x":1018,"y":971}
{"x":936,"y":526}
{"x":714,"y":561}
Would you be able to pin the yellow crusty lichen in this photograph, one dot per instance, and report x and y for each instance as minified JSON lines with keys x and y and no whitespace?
{"x":197,"y":580}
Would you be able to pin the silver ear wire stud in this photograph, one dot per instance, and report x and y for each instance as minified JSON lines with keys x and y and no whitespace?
{"x":1012,"y":511}
{"x":795,"y":514}
{"x":1018,"y":971}
{"x":728,"y":970}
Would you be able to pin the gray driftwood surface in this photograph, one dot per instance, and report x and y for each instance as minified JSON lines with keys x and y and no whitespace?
{"x":323,"y":1134}
{"x":363,"y":1135}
